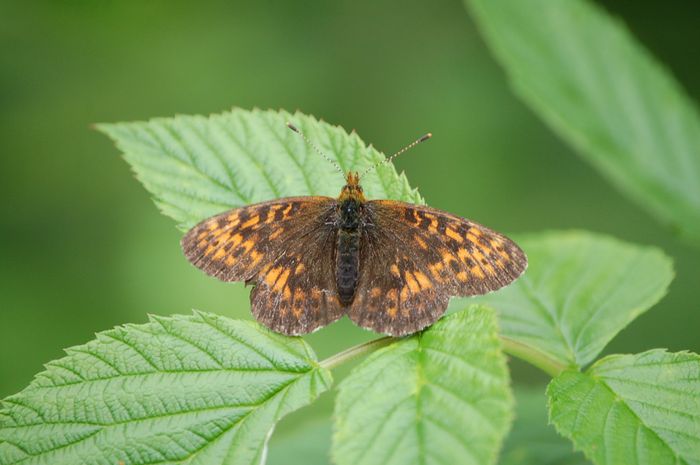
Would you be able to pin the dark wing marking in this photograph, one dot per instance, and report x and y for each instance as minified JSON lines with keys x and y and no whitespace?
{"x":286,"y":248}
{"x":414,"y":258}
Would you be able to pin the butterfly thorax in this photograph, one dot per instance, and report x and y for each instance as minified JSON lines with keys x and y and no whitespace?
{"x":350,"y":205}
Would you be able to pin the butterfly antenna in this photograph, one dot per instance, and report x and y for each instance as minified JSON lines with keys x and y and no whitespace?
{"x":405,"y":149}
{"x":316,"y":149}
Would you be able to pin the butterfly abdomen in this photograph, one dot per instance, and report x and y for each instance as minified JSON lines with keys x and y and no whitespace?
{"x":348,"y":250}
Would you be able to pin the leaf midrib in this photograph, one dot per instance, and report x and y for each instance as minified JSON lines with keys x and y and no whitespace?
{"x":105,"y":427}
{"x":169,"y":372}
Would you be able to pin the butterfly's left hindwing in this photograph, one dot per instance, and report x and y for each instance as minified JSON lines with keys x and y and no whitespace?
{"x":414,"y":258}
{"x":286,"y":247}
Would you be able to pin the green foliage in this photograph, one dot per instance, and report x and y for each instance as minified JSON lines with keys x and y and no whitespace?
{"x":579,"y":291}
{"x":206,"y":389}
{"x":308,"y":443}
{"x":532,"y":441}
{"x":441,"y":396}
{"x":595,"y":85}
{"x":199,"y":389}
{"x":196,"y":167}
{"x":641,"y":408}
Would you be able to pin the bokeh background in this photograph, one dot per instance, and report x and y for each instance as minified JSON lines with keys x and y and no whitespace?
{"x":82,"y":248}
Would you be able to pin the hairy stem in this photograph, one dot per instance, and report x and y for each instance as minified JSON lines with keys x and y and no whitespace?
{"x":516,"y":349}
{"x":356,"y":351}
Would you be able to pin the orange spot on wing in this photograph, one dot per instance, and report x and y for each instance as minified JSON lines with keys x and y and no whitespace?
{"x":247,"y":245}
{"x":448,"y":258}
{"x":298,"y":302}
{"x":219,"y":254}
{"x":463,"y":254}
{"x":275,"y":234}
{"x":421,"y":243}
{"x":462,"y":276}
{"x":375,"y":292}
{"x":286,"y":210}
{"x":423,"y":280}
{"x":235,"y":240}
{"x":255,"y":257}
{"x":230,"y":261}
{"x":412,"y":283}
{"x":451,"y":233}
{"x":395,"y":270}
{"x":436,"y":270}
{"x":272,"y":275}
{"x":299,"y":269}
{"x":476,"y":271}
{"x":251,"y":222}
{"x":282,"y":281}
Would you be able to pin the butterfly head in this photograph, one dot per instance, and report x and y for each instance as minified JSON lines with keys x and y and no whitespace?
{"x":352,"y":190}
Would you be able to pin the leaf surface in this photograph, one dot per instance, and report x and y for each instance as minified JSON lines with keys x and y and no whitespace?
{"x":199,"y":389}
{"x":438,"y":397}
{"x":593,"y":83}
{"x":579,"y":291}
{"x":640,"y":409}
{"x":196,"y":167}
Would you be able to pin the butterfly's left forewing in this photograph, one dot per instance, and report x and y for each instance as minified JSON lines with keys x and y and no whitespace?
{"x":286,"y":247}
{"x":414,"y":258}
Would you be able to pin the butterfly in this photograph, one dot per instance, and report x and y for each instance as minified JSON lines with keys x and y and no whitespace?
{"x":390,"y":266}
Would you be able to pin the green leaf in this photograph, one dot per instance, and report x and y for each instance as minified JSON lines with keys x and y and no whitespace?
{"x":197,"y":166}
{"x":199,"y":389}
{"x":636,"y":409}
{"x":587,"y":77}
{"x":440,"y":396}
{"x":532,"y":441}
{"x":579,"y":291}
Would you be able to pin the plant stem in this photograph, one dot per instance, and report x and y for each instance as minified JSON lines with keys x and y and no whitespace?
{"x":356,"y":351}
{"x":516,"y":349}
{"x":532,"y":356}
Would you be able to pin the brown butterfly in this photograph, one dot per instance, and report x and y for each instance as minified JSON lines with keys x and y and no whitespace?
{"x":390,"y":266}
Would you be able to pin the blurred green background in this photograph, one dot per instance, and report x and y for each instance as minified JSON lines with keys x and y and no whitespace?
{"x":82,"y":248}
